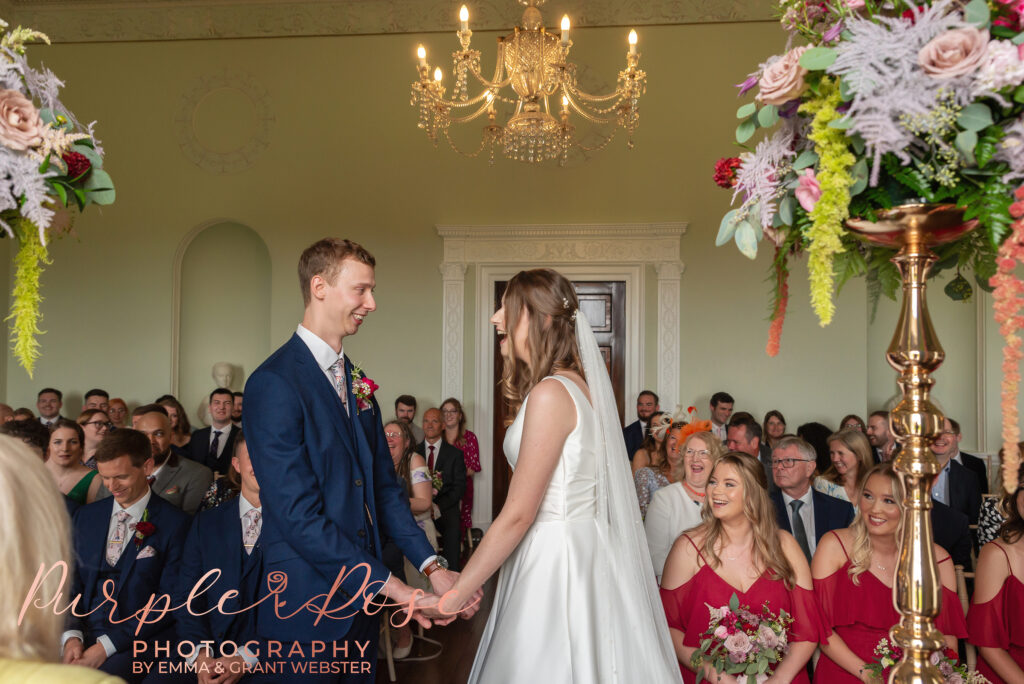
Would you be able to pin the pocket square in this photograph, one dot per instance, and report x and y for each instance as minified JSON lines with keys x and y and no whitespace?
{"x":147,"y":552}
{"x":172,"y":490}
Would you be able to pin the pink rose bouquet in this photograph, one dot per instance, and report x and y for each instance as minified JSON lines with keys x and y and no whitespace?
{"x":742,"y":643}
{"x":887,"y":654}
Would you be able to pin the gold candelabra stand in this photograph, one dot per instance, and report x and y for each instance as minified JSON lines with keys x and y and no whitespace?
{"x":534,"y":64}
{"x":915,"y":353}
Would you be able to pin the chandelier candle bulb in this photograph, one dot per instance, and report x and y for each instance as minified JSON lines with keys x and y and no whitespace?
{"x":421,"y":54}
{"x":438,"y":74}
{"x":632,"y":41}
{"x":464,"y":18}
{"x":565,"y":31}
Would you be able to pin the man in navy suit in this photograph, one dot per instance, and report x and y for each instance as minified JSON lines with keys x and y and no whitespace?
{"x":212,"y":446}
{"x":802,"y":510}
{"x":135,"y":541}
{"x":329,"y":486}
{"x":955,"y":486}
{"x":225,"y":538}
{"x":970,"y":461}
{"x":647,"y":404}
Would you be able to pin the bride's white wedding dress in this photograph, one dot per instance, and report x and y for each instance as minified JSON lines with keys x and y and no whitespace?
{"x":563,"y":611}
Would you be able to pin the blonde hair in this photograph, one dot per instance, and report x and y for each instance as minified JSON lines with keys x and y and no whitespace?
{"x":857,"y":442}
{"x":860,"y":549}
{"x":715,"y":452}
{"x":549,"y":302}
{"x":35,"y":534}
{"x":759,"y":510}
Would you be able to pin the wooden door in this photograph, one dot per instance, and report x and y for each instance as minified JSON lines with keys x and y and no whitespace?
{"x":604,"y":305}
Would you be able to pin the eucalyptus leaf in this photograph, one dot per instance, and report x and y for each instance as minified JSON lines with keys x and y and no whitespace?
{"x":1018,"y":93}
{"x":786,"y":210}
{"x":844,"y":90}
{"x":734,"y":602}
{"x":746,"y":240}
{"x":746,"y":110}
{"x":858,"y":144}
{"x":62,"y":193}
{"x":818,"y":58}
{"x":100,"y":186}
{"x":726,"y":228}
{"x":89,"y":153}
{"x":975,"y":117}
{"x":1018,"y":39}
{"x":860,"y":177}
{"x":841,"y":124}
{"x":768,"y":116}
{"x":965,"y":143}
{"x":805,"y":159}
{"x":745,"y":131}
{"x":976,"y":12}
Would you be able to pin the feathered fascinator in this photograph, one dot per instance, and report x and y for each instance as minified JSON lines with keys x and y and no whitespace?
{"x":692,"y":425}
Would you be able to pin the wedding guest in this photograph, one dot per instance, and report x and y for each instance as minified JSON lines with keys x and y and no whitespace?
{"x":773,"y":427}
{"x":647,"y":404}
{"x":850,"y":452}
{"x":817,"y":434}
{"x":33,"y":433}
{"x":662,"y":471}
{"x":656,"y":427}
{"x":140,"y":564}
{"x":24,"y":414}
{"x":970,"y":461}
{"x":854,"y":422}
{"x":721,"y":410}
{"x":96,"y":399}
{"x":880,"y":437}
{"x":118,"y":412}
{"x":956,"y":486}
{"x":223,"y":488}
{"x":225,"y":538}
{"x":405,"y":411}
{"x":412,"y":469}
{"x":739,"y":549}
{"x":744,"y":434}
{"x":96,"y":425}
{"x":178,"y":480}
{"x":992,"y":514}
{"x":854,"y":570}
{"x":994,"y":620}
{"x":6,"y":413}
{"x":64,"y":461}
{"x":181,"y":429}
{"x":236,"y":408}
{"x":802,"y":510}
{"x":48,"y":403}
{"x":676,"y":508}
{"x":952,"y":531}
{"x":28,"y":645}
{"x":212,"y":446}
{"x":456,"y":434}
{"x":446,"y":461}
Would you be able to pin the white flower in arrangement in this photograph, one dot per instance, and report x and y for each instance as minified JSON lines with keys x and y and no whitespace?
{"x":1001,"y":67}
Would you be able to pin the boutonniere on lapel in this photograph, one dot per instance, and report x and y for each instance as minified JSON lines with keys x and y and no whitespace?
{"x":436,"y":481}
{"x":362,"y":389}
{"x":143,"y":529}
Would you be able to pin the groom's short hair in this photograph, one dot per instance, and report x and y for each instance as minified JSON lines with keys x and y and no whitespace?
{"x":323,"y":258}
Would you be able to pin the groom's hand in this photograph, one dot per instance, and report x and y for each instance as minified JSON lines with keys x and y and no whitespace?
{"x":442,"y":582}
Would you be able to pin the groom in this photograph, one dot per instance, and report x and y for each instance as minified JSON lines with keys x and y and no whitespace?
{"x":329,"y":491}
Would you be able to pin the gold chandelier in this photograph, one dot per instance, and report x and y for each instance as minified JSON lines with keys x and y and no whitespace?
{"x":535,"y":64}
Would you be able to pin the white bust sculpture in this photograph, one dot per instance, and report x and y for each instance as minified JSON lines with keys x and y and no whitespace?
{"x":223,"y":374}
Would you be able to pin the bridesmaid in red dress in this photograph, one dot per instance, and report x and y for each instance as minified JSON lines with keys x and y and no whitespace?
{"x":739,"y":548}
{"x":854,"y":570}
{"x":996,"y":618}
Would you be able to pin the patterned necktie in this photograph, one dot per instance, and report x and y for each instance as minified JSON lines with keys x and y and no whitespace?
{"x":799,"y":531}
{"x":116,"y":543}
{"x":338,"y":369}
{"x":252,"y":522}
{"x":430,"y":459}
{"x":214,"y":444}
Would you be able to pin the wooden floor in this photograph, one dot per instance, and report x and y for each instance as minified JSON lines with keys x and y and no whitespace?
{"x":458,"y":647}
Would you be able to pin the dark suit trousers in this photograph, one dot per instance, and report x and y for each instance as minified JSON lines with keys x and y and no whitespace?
{"x":451,"y":537}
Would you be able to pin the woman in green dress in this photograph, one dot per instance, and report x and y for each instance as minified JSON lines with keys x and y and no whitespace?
{"x":64,"y":461}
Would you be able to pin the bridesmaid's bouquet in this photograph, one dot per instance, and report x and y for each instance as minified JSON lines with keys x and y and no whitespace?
{"x":953,"y":671}
{"x":742,"y":643}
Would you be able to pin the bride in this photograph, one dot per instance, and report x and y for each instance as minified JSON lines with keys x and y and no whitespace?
{"x":576,"y":598}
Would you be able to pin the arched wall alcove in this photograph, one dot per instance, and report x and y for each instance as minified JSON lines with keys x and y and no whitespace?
{"x":221,"y":308}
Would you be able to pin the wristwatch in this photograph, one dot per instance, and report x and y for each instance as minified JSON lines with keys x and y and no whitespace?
{"x":439,"y":563}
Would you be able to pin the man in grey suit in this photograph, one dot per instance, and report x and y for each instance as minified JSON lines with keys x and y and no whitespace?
{"x":179,"y":481}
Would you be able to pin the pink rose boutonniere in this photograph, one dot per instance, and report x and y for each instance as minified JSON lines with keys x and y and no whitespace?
{"x":362,"y":389}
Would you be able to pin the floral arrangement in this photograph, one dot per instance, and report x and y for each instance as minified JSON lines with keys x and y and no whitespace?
{"x":143,"y":529}
{"x":362,"y":389}
{"x":954,"y":672}
{"x":48,"y":163}
{"x":873,"y":104}
{"x":742,"y":643}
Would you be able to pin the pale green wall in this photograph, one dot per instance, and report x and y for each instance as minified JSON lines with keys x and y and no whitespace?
{"x":345,"y":158}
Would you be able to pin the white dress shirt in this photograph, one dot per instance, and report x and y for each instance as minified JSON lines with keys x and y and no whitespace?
{"x":940,"y":490}
{"x":806,"y":514}
{"x":225,"y":432}
{"x":135,"y":512}
{"x":670,"y":513}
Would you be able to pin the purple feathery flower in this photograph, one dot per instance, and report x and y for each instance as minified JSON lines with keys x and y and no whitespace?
{"x":746,"y":85}
{"x":833,"y":32}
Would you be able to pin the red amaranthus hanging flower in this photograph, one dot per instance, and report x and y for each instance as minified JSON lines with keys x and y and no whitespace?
{"x":725,"y":171}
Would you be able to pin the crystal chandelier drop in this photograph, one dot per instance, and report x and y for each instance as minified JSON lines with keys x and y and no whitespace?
{"x":535,"y":64}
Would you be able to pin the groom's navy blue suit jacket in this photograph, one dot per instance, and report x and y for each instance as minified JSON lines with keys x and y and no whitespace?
{"x":328,"y":491}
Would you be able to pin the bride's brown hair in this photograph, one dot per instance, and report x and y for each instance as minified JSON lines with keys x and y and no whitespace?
{"x":549,"y":302}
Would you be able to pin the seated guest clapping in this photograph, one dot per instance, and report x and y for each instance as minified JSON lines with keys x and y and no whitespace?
{"x":854,"y":570}
{"x":803,"y":510}
{"x":133,"y":540}
{"x":225,"y":538}
{"x":181,"y":481}
{"x":739,"y":550}
{"x":676,"y":508}
{"x":994,"y":620}
{"x":29,"y":645}
{"x":75,"y":480}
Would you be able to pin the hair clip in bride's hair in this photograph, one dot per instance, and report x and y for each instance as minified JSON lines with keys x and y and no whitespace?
{"x":565,"y":302}
{"x":575,"y":313}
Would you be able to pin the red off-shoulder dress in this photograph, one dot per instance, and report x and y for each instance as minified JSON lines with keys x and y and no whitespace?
{"x":999,"y":623}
